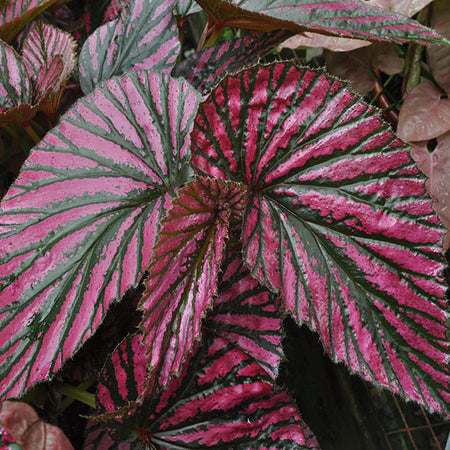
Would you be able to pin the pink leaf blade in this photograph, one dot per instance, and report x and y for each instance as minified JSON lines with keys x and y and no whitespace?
{"x":77,"y":228}
{"x":145,"y":36}
{"x":183,"y":274}
{"x":338,"y":221}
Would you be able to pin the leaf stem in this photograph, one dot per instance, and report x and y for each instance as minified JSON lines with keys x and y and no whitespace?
{"x":75,"y":393}
{"x":28,"y":128}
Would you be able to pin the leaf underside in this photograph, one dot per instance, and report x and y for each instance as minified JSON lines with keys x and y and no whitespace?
{"x":337,"y":221}
{"x":344,"y":18}
{"x":144,"y":36}
{"x":77,"y":227}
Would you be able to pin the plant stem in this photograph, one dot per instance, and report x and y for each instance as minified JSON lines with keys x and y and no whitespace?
{"x":31,"y":132}
{"x":68,"y":400}
{"x":75,"y":393}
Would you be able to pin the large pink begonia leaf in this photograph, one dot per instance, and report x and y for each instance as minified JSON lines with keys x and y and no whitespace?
{"x":338,"y":221}
{"x":342,"y":18}
{"x":77,"y":227}
{"x":15,"y":14}
{"x":144,"y":36}
{"x":184,"y":271}
{"x":20,"y":425}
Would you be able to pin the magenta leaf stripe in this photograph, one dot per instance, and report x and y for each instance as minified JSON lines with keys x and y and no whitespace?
{"x":342,"y":230}
{"x":15,"y":14}
{"x":245,"y":314}
{"x":204,"y":69}
{"x":345,"y":18}
{"x":77,"y":227}
{"x":144,"y":36}
{"x":184,"y":270}
{"x":222,"y":399}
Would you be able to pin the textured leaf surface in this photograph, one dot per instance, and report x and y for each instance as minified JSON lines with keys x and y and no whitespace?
{"x":20,"y":424}
{"x":145,"y":36}
{"x":344,"y":18}
{"x":184,"y":270}
{"x":337,"y":221}
{"x":14,"y":15}
{"x":204,"y":69}
{"x":16,"y":91}
{"x":222,"y":400}
{"x":49,"y":56}
{"x":78,"y":226}
{"x":244,"y":314}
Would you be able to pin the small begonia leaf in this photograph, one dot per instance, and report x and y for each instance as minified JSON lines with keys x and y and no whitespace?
{"x":186,"y":7}
{"x":42,"y":46}
{"x":144,"y":36}
{"x":204,"y":69}
{"x":23,"y":427}
{"x":15,"y":86}
{"x":342,"y":18}
{"x":77,"y":227}
{"x":222,"y":399}
{"x":14,"y":15}
{"x":425,"y":113}
{"x":183,"y":274}
{"x":337,"y":222}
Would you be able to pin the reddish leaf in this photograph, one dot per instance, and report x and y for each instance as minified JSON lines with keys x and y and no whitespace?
{"x":14,"y":15}
{"x":77,"y":227}
{"x":343,"y":18}
{"x":424,"y":114}
{"x":145,"y":36}
{"x":223,"y":399}
{"x":20,"y":424}
{"x":337,"y":221}
{"x":183,"y":274}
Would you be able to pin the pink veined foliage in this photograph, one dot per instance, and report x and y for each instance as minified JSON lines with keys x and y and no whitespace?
{"x":343,"y":231}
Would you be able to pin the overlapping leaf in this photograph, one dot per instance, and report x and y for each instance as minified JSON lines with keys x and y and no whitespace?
{"x":344,"y":18}
{"x":16,"y":90}
{"x":144,"y":36}
{"x":244,"y":314}
{"x":183,"y":274}
{"x":78,"y":226}
{"x":186,"y":7}
{"x":224,"y":398}
{"x":204,"y":69}
{"x":48,"y":49}
{"x":14,"y":15}
{"x":338,"y":221}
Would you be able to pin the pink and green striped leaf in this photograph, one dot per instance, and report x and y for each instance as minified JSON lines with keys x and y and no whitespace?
{"x":204,"y":69}
{"x":144,"y":36}
{"x":343,"y":18}
{"x":183,"y":273}
{"x":338,"y":221}
{"x":77,"y":227}
{"x":244,"y":314}
{"x":186,"y":7}
{"x":223,"y":399}
{"x":16,"y":89}
{"x":15,"y":14}
{"x":49,"y":56}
